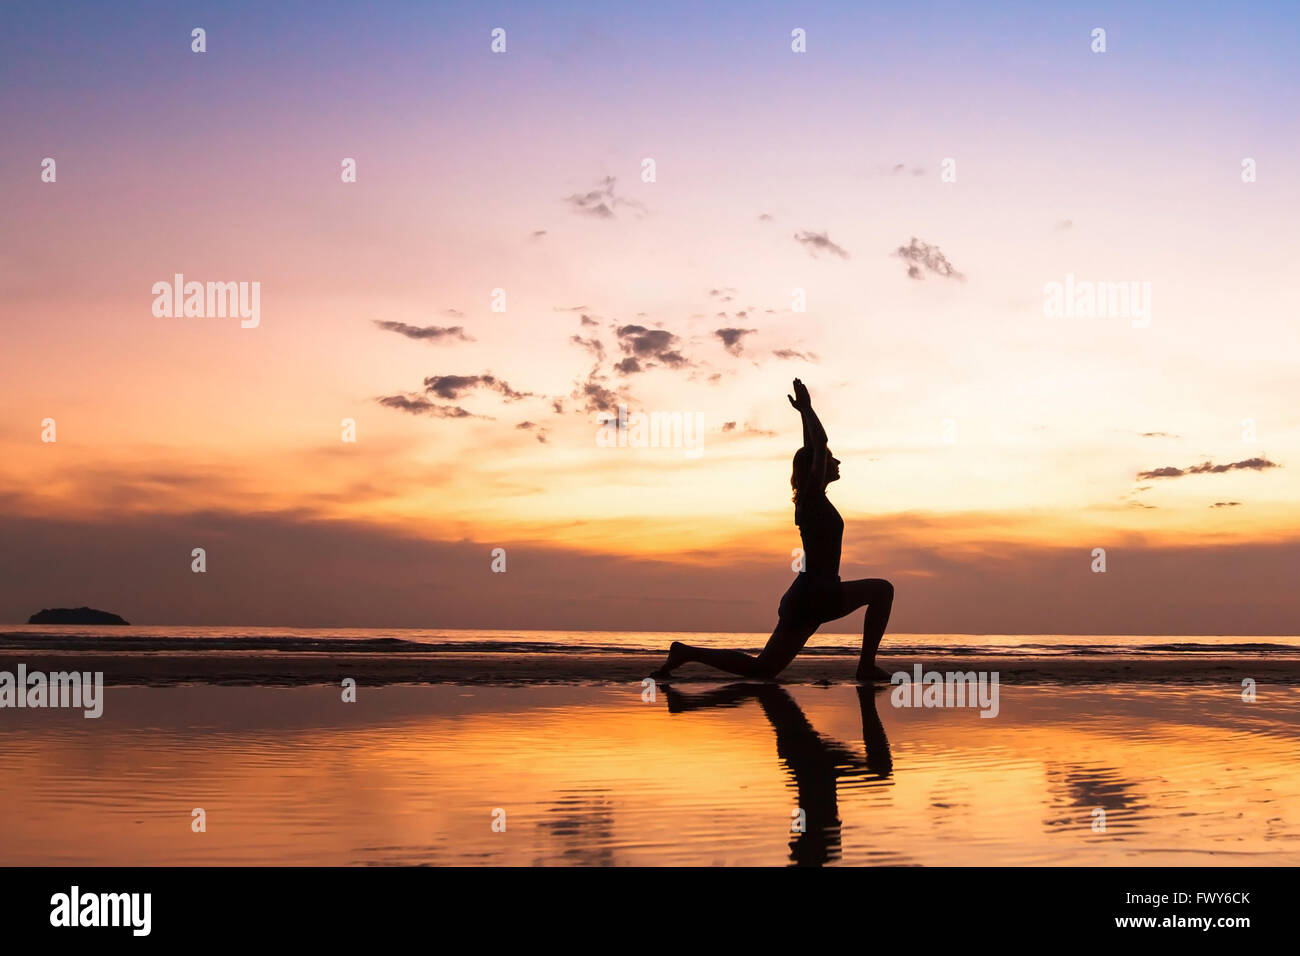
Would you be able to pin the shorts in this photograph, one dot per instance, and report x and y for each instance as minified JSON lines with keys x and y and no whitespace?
{"x":811,"y":599}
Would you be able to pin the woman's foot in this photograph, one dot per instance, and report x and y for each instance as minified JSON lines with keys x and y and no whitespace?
{"x":868,"y":673}
{"x":674,"y":661}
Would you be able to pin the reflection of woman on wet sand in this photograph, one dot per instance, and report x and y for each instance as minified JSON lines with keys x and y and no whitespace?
{"x":816,"y":763}
{"x":817,"y":594}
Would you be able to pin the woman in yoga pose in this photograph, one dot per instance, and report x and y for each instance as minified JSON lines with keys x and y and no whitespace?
{"x":817,"y":594}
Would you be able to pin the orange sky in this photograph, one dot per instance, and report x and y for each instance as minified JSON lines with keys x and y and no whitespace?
{"x":967,"y":419}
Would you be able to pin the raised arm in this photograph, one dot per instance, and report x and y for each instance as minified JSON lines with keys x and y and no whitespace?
{"x":814,"y":435}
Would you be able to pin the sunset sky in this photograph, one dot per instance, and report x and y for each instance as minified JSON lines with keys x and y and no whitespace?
{"x":987,"y":447}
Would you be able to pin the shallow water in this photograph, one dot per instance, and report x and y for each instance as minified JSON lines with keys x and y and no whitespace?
{"x":596,"y":775}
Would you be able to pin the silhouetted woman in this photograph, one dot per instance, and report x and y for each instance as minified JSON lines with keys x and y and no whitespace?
{"x":817,"y":595}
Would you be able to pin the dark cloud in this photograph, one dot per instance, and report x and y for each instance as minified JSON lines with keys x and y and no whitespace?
{"x":1209,"y":468}
{"x":587,"y":320}
{"x":419,"y":405}
{"x":1225,"y":504}
{"x":818,"y":242}
{"x":594,"y":396}
{"x":453,"y":386}
{"x":650,"y":346}
{"x":539,"y":233}
{"x":923,"y":254}
{"x":601,"y":202}
{"x":792,"y":354}
{"x":732,"y":339}
{"x":425,"y":332}
{"x":628,"y":366}
{"x":1158,"y":435}
{"x":764,"y":217}
{"x":333,"y":572}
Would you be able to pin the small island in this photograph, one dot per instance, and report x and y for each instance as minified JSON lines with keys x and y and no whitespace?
{"x":74,"y":615}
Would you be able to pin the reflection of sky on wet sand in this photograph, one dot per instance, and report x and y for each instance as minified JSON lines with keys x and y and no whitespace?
{"x":593,"y":775}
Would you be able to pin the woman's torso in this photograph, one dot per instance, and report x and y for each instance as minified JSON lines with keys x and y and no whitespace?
{"x":822,"y":530}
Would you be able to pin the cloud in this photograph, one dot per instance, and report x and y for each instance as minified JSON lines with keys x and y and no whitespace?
{"x":540,"y":433}
{"x":594,"y":396}
{"x":601,"y":201}
{"x":732,"y":339}
{"x":419,"y":405}
{"x":746,"y":429}
{"x":651,"y":346}
{"x":587,"y":320}
{"x":453,"y":386}
{"x":817,"y":242}
{"x":1158,"y":435}
{"x":792,"y":354}
{"x":592,"y":345}
{"x":955,"y":580}
{"x":919,"y":254}
{"x":425,"y":332}
{"x":1208,"y":468}
{"x":764,"y":217}
{"x":1225,"y":504}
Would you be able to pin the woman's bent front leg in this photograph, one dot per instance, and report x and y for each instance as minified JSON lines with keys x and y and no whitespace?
{"x":878,"y":595}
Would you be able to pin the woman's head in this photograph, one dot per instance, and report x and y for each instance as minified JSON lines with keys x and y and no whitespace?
{"x":802,"y":465}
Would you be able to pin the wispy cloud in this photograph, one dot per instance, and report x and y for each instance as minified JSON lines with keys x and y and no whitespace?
{"x":419,"y":405}
{"x":1209,"y":468}
{"x":592,"y":344}
{"x":428,"y":333}
{"x":538,"y":431}
{"x":793,"y":354}
{"x":919,"y":254}
{"x":601,"y":202}
{"x":452,"y":387}
{"x":819,"y":242}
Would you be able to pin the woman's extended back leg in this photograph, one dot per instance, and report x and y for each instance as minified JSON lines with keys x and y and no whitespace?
{"x":786,"y":641}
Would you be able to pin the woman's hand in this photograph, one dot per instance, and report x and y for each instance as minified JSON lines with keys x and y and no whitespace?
{"x":801,"y":400}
